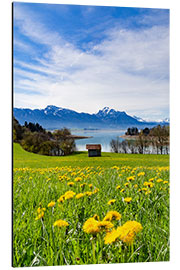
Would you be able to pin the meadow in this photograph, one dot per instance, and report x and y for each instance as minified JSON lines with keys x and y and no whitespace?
{"x":79,"y":210}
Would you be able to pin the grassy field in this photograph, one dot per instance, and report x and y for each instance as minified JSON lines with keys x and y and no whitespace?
{"x":24,"y":159}
{"x":80,"y":210}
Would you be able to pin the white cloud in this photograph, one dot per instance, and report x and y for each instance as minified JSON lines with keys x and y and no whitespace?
{"x":127,"y":71}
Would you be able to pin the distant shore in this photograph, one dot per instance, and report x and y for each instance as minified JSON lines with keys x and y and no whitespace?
{"x":78,"y":137}
{"x":129,"y":137}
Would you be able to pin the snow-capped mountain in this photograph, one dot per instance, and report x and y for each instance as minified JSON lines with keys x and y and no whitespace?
{"x":138,"y":118}
{"x":53,"y":117}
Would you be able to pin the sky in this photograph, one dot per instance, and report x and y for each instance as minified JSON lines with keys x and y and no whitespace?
{"x":87,"y":57}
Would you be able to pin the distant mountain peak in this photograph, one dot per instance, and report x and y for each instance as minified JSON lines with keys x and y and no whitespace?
{"x":139,"y":118}
{"x":52,"y":107}
{"x":54,"y":117}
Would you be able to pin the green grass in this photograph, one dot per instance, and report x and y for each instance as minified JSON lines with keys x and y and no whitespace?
{"x":24,"y":159}
{"x":38,"y":180}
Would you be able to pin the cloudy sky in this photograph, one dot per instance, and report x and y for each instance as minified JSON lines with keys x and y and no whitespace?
{"x":87,"y":57}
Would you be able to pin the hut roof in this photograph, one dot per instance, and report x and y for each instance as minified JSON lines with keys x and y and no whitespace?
{"x":93,"y":146}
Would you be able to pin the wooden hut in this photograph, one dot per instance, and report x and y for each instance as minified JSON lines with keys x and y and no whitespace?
{"x":94,"y":150}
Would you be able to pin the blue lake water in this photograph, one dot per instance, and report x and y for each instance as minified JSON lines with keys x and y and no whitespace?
{"x":102,"y":137}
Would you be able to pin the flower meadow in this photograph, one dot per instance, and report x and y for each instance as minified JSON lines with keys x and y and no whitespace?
{"x":90,"y":215}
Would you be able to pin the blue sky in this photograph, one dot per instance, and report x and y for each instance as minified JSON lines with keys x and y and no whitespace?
{"x":88,"y":57}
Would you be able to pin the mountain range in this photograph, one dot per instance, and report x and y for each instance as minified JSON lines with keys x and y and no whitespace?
{"x":53,"y":117}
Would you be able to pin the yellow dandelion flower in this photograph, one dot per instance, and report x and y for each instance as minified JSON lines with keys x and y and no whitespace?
{"x":130,"y":178}
{"x":128,"y":199}
{"x":83,"y":185}
{"x":112,"y":215}
{"x":128,"y":231}
{"x":69,"y":194}
{"x":88,"y":193}
{"x":78,"y":179}
{"x":165,"y":182}
{"x":133,"y":226}
{"x":51,"y":204}
{"x":105,"y":225}
{"x":61,"y":223}
{"x":110,"y":202}
{"x":148,"y":184}
{"x":159,"y":180}
{"x":61,"y":199}
{"x":141,"y":173}
{"x":70,"y":184}
{"x":111,"y":236}
{"x":41,"y":215}
{"x":91,"y":226}
{"x":96,"y":190}
{"x":79,"y":195}
{"x":125,"y":235}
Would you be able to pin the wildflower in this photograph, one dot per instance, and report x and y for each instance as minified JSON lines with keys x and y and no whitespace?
{"x":151,"y":179}
{"x":118,"y":187}
{"x":126,"y":235}
{"x":144,"y":189}
{"x":96,"y":190}
{"x":111,"y":202}
{"x":51,"y":204}
{"x":133,"y":226}
{"x":69,"y":194}
{"x":147,"y":192}
{"x":128,"y":199}
{"x":141,"y":173}
{"x":70,"y":184}
{"x":78,"y":179}
{"x":61,"y":199}
{"x":122,"y":190}
{"x":90,"y":185}
{"x":88,"y":193}
{"x":130,"y":178}
{"x":40,"y":216}
{"x":79,"y":195}
{"x":91,"y":226}
{"x":126,"y":184}
{"x":115,"y":167}
{"x":61,"y":223}
{"x":159,"y":180}
{"x":83,"y":185}
{"x":40,"y":212}
{"x":128,"y":231}
{"x":148,"y":184}
{"x":111,"y":236}
{"x":135,"y":186}
{"x":105,"y":225}
{"x":112,"y":215}
{"x":165,"y":182}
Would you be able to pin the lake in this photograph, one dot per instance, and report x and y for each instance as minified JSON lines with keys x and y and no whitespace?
{"x":102,"y":137}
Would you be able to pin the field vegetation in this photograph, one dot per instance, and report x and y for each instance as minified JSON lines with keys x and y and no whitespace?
{"x":79,"y":210}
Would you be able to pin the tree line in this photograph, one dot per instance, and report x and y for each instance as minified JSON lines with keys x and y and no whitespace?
{"x":34,"y":138}
{"x":154,"y":140}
